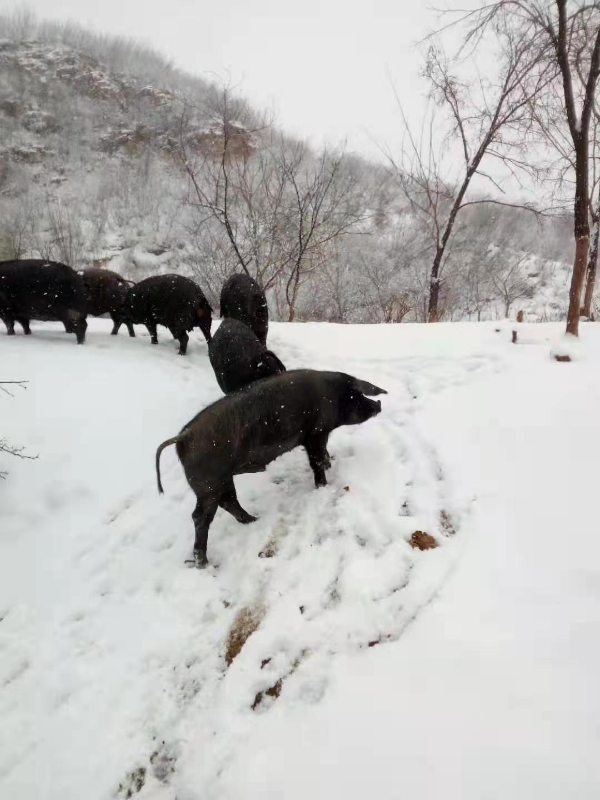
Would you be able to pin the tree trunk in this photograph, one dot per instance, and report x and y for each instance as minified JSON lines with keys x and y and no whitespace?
{"x":592,"y":266}
{"x":434,"y":288}
{"x":292,"y":314}
{"x":434,"y":281}
{"x":580,"y":136}
{"x":582,"y":234}
{"x":582,"y":244}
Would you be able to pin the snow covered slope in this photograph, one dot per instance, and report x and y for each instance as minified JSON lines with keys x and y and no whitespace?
{"x":320,"y":654}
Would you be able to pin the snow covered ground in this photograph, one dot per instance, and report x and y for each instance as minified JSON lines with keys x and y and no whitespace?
{"x":319,"y":655}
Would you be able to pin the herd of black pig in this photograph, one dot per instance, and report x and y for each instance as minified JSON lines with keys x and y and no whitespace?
{"x":266,"y":411}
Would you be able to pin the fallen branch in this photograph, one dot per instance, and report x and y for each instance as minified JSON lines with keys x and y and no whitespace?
{"x":13,"y":383}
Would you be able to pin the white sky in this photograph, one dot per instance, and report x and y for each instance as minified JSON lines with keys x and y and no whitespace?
{"x":325,"y":67}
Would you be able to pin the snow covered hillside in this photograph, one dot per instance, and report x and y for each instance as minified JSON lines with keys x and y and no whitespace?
{"x":100,"y":135}
{"x":320,"y":654}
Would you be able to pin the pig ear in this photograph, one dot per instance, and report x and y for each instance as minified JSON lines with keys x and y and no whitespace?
{"x":270,"y":355}
{"x":366,"y":388}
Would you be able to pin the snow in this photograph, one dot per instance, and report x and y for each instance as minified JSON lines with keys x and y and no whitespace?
{"x":567,"y":347}
{"x":466,"y":671}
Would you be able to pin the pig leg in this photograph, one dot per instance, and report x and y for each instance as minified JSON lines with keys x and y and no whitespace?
{"x":152,"y":331}
{"x":79,"y":329}
{"x":116,"y":324}
{"x":205,"y":325}
{"x":10,"y":325}
{"x":203,"y":515}
{"x":318,"y":458}
{"x":230,"y":503}
{"x":130,"y":329}
{"x":24,"y":323}
{"x":74,"y":322}
{"x":183,"y":340}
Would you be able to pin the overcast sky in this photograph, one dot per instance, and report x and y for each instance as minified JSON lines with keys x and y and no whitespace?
{"x":325,"y":67}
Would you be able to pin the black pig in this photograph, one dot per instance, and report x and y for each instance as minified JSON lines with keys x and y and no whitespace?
{"x":106,"y":293}
{"x":243,"y":299}
{"x":173,"y":301}
{"x":246,"y":430}
{"x":239,"y":358}
{"x":44,"y":290}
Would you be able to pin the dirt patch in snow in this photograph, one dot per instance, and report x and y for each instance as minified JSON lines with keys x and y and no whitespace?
{"x":275,"y":690}
{"x":245,"y":623}
{"x":133,"y":783}
{"x":269,"y":550}
{"x":163,"y":763}
{"x":272,"y":691}
{"x":447,"y":523}
{"x":422,"y":541}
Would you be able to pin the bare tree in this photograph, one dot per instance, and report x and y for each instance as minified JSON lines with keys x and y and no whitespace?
{"x":576,"y":38}
{"x":587,"y":309}
{"x":66,"y":241}
{"x":325,"y":206}
{"x":20,"y":24}
{"x":237,"y":184}
{"x":508,"y":279}
{"x":279,"y":206}
{"x":477,"y":287}
{"x":565,"y":34}
{"x":592,"y":267}
{"x":389,"y":273}
{"x":488,"y":119}
{"x":17,"y":226}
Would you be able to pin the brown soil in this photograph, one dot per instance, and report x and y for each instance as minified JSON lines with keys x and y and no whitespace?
{"x":272,"y":691}
{"x":422,"y":541}
{"x":245,"y":623}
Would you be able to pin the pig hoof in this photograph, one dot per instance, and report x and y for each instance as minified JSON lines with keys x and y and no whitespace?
{"x":199,"y":561}
{"x":247,"y":519}
{"x":10,"y":333}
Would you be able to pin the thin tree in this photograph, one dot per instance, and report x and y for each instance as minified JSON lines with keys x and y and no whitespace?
{"x":242,"y":195}
{"x":587,"y":309}
{"x":566,"y":36}
{"x":489,"y":119}
{"x":325,"y":206}
{"x":509,"y":281}
{"x":280,"y":206}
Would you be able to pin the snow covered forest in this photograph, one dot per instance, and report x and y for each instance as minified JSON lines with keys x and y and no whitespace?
{"x":112,"y":156}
